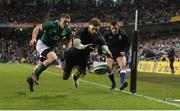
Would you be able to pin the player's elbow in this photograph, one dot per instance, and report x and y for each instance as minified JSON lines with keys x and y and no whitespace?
{"x":38,"y":28}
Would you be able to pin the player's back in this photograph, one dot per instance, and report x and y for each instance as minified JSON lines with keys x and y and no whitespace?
{"x":87,"y":38}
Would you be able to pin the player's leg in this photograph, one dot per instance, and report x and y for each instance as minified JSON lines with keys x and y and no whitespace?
{"x":110,"y":62}
{"x":30,"y":79}
{"x":122,"y":64}
{"x":84,"y":72}
{"x":80,"y":68}
{"x":67,"y":71}
{"x":35,"y":67}
{"x":69,"y":63}
{"x":51,"y":58}
{"x":76,"y":74}
{"x":47,"y":57}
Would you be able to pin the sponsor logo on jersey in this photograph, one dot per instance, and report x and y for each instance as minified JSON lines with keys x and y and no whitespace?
{"x":56,"y":37}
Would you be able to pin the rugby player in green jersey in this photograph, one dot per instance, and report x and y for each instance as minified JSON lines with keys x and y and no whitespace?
{"x":54,"y":32}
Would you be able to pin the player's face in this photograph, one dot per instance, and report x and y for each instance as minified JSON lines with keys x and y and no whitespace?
{"x":64,"y":22}
{"x":93,"y":30}
{"x":114,"y":29}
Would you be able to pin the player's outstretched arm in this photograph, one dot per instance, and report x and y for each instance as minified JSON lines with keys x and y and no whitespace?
{"x":106,"y":50}
{"x":77,"y":44}
{"x":35,"y":33}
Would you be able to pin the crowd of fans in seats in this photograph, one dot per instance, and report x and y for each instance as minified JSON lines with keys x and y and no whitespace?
{"x":27,"y":11}
{"x":22,"y":12}
{"x":14,"y":45}
{"x":153,"y":46}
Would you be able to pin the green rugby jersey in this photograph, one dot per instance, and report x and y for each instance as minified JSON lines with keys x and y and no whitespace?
{"x":53,"y":33}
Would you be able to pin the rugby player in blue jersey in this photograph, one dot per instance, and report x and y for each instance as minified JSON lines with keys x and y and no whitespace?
{"x":118,"y":43}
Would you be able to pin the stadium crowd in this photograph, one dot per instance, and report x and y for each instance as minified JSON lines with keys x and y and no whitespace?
{"x":29,"y":11}
{"x":156,"y":45}
{"x":14,"y":46}
{"x":14,"y":42}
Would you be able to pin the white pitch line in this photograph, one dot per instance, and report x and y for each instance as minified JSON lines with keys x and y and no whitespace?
{"x":101,"y":85}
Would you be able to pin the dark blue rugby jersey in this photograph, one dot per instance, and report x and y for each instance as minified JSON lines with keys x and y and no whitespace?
{"x":119,"y":42}
{"x":87,"y":38}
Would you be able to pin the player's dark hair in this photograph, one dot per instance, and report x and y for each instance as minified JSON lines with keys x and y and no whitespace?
{"x":66,"y":15}
{"x":113,"y":23}
{"x":95,"y":22}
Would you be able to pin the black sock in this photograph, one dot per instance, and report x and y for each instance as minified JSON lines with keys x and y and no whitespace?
{"x":111,"y":77}
{"x":75,"y":78}
{"x":39,"y":70}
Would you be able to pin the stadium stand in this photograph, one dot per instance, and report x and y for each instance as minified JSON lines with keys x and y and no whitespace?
{"x":14,"y":42}
{"x":26,"y":11}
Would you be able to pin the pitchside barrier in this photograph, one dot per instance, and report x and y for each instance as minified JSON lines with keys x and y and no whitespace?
{"x":160,"y":67}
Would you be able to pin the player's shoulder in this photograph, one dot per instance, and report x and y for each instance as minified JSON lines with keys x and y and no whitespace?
{"x":53,"y":22}
{"x":123,"y":32}
{"x":107,"y":33}
{"x":68,"y":29}
{"x":82,"y":31}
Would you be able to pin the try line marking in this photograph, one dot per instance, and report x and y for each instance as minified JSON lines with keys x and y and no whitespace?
{"x":101,"y":85}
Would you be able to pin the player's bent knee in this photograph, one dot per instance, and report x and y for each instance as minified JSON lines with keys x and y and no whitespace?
{"x":52,"y":59}
{"x":123,"y":66}
{"x":66,"y":75}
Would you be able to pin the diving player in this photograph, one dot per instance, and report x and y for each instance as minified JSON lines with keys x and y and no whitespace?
{"x":86,"y":40}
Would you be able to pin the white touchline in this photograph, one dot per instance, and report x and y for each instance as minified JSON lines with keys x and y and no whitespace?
{"x":101,"y":85}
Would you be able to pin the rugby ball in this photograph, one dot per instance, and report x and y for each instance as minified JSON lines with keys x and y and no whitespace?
{"x":100,"y":68}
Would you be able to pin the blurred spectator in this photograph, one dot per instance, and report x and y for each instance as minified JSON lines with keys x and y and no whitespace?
{"x":27,"y":11}
{"x":156,"y":46}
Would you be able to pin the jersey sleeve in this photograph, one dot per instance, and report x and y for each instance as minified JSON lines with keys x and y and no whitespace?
{"x":101,"y":40}
{"x":126,"y":40}
{"x":106,"y":35}
{"x":69,"y":34}
{"x":79,"y":34}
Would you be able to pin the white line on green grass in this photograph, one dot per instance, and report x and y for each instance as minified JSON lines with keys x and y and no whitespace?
{"x":101,"y":85}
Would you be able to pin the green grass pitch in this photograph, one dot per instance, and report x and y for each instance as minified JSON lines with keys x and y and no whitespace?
{"x":92,"y":94}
